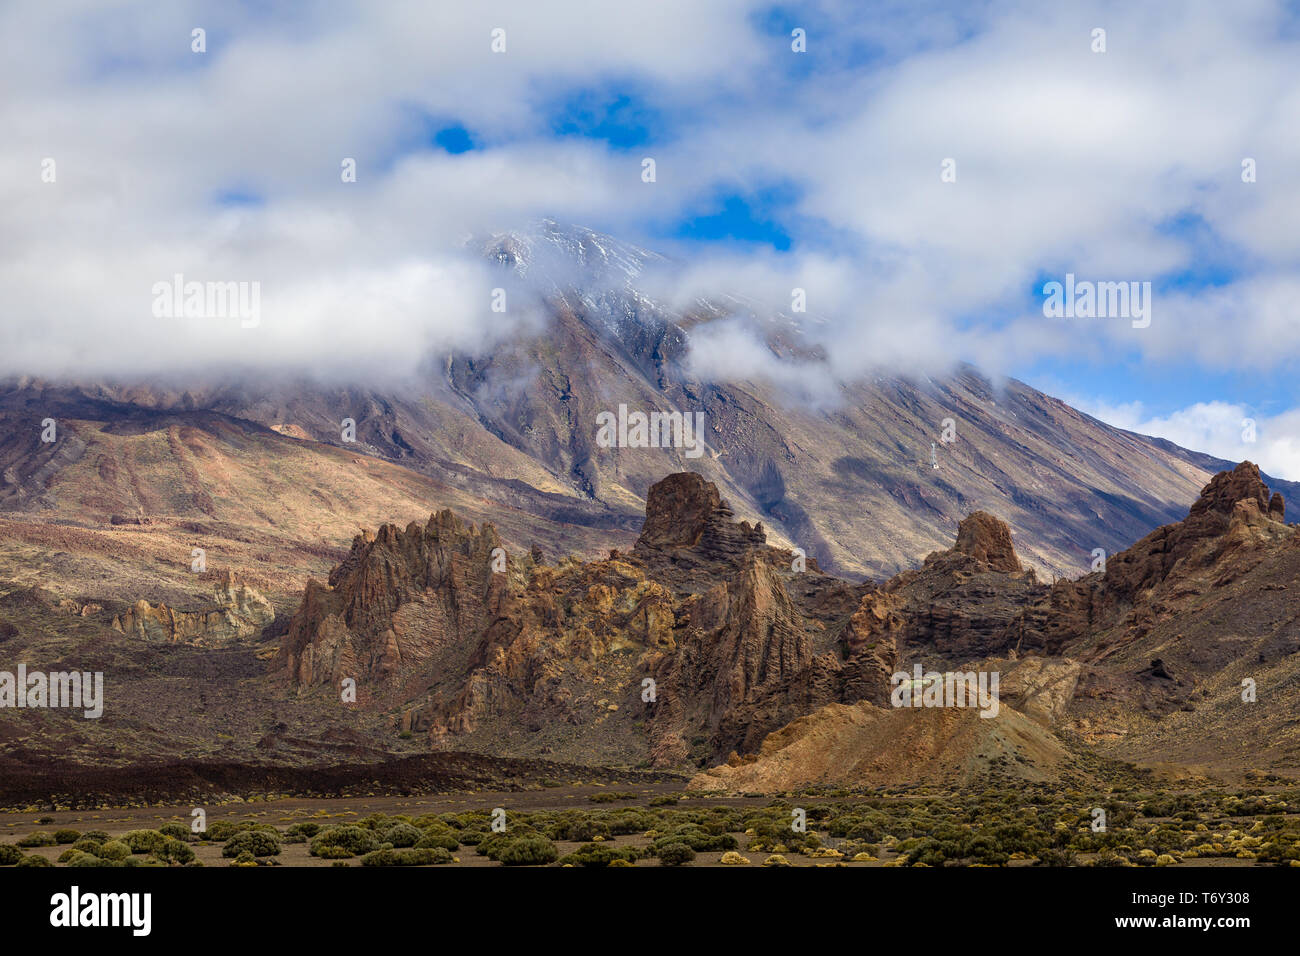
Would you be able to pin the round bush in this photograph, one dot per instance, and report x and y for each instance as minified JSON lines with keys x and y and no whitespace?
{"x":528,"y":851}
{"x":9,"y":854}
{"x":66,"y":836}
{"x":675,"y":854}
{"x":112,"y":850}
{"x":37,"y":838}
{"x":402,"y":835}
{"x":256,"y":842}
{"x":177,"y":831}
{"x":351,"y":840}
{"x":87,"y":859}
{"x":175,"y":851}
{"x":34,"y":861}
{"x":144,"y":841}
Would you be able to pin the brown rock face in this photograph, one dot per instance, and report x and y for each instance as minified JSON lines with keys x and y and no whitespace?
{"x":241,"y":612}
{"x":403,"y":605}
{"x":704,"y":640}
{"x":1226,"y":488}
{"x":685,"y":511}
{"x":987,"y":539}
{"x":699,"y":642}
{"x":677,"y":510}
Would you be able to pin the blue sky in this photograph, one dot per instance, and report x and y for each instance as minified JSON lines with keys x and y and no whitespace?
{"x":775,"y":169}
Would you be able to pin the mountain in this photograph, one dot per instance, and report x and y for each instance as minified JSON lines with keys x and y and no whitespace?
{"x":513,"y":433}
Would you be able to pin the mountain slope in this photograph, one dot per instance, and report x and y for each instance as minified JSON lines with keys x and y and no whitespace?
{"x":851,"y":482}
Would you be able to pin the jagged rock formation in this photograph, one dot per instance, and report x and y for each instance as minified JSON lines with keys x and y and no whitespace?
{"x":241,"y":612}
{"x":698,"y":642}
{"x":704,"y":641}
{"x":988,"y":540}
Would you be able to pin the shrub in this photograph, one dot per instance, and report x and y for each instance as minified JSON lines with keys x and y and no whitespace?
{"x":144,"y":841}
{"x":175,"y":851}
{"x":34,"y":861}
{"x":177,"y":831}
{"x":37,"y":838}
{"x":590,"y":854}
{"x":344,"y":841}
{"x":9,"y":854}
{"x":675,"y":854}
{"x":66,"y":836}
{"x":402,"y":835}
{"x":407,"y":857}
{"x":99,"y":836}
{"x":534,"y":850}
{"x":256,"y":842}
{"x":334,"y":853}
{"x":301,"y":832}
{"x":223,"y":830}
{"x":443,"y":839}
{"x":112,"y":850}
{"x":582,"y":830}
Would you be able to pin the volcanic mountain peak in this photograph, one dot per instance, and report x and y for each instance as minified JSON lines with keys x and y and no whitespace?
{"x":566,"y":255}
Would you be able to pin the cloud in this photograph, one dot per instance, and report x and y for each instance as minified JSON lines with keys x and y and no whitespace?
{"x":1223,"y":429}
{"x":1067,"y":161}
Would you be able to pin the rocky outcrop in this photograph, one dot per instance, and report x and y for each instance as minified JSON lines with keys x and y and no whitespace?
{"x":403,"y":605}
{"x":704,"y":644}
{"x":988,"y":540}
{"x":697,"y":643}
{"x":241,"y":612}
{"x":685,"y":511}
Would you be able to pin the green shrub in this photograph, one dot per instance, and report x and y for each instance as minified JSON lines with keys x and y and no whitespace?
{"x":37,"y":838}
{"x":591,"y":854}
{"x":301,"y":832}
{"x":534,"y":850}
{"x":175,"y":851}
{"x":34,"y":861}
{"x":333,"y":853}
{"x":66,"y":836}
{"x":99,"y":836}
{"x":112,"y":850}
{"x":223,"y":830}
{"x":9,"y":854}
{"x":344,"y":841}
{"x":256,"y":842}
{"x":144,"y":841}
{"x":402,"y":835}
{"x":407,"y":857}
{"x":675,"y":854}
{"x":438,"y":838}
{"x":177,"y":831}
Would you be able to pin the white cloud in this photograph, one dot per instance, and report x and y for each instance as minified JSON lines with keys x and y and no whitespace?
{"x":1223,"y":429}
{"x":1067,"y":161}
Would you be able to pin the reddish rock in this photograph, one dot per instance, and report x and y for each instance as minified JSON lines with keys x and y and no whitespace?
{"x":987,"y":539}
